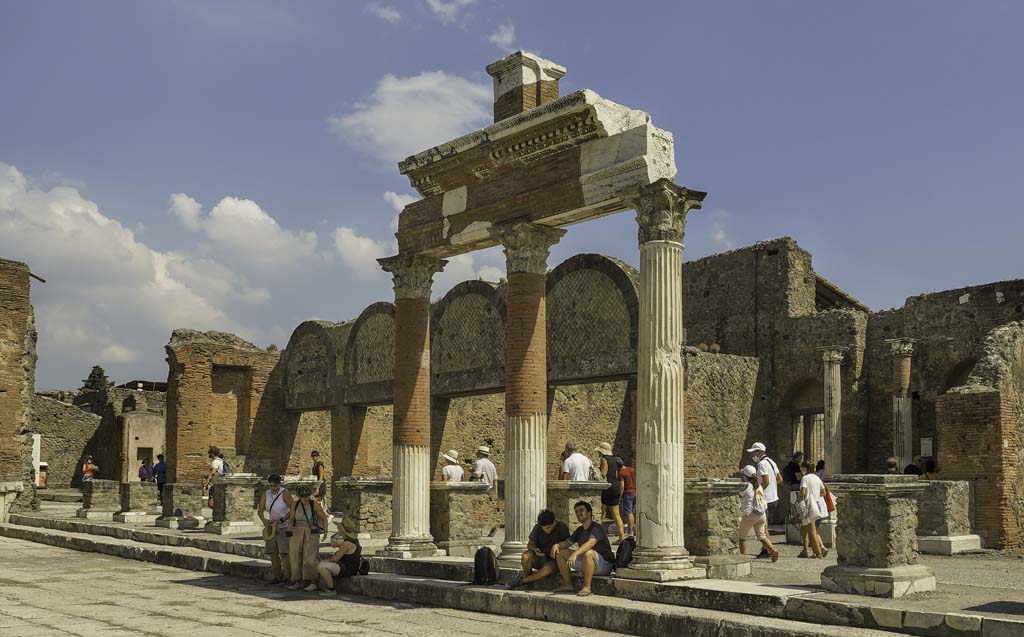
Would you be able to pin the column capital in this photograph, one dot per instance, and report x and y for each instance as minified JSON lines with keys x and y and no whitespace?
{"x":661,"y":209}
{"x":527,"y":245}
{"x":833,"y":353}
{"x":412,"y":274}
{"x":901,"y":346}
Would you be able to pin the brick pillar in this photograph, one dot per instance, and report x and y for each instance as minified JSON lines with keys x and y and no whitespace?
{"x":661,"y":210}
{"x":902,"y":427}
{"x":410,"y":528}
{"x":523,"y":81}
{"x":526,"y":379}
{"x":832,"y":358}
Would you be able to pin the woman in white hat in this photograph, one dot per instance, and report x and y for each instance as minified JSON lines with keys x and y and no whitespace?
{"x":451,"y":471}
{"x":753,"y":507}
{"x":612,"y":496}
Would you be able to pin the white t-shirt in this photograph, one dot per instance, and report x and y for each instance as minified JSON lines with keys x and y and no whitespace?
{"x":277,"y":505}
{"x":767,"y":467}
{"x":578,"y":467}
{"x":484,"y":468}
{"x":747,"y":498}
{"x":814,"y":507}
{"x":218,"y":466}
{"x":452,"y":473}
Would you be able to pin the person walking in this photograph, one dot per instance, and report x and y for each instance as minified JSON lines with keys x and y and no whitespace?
{"x":812,"y":509}
{"x":307,"y":521}
{"x":274,"y":509}
{"x":319,"y":471}
{"x":576,"y":467}
{"x":819,"y":469}
{"x":146,"y":471}
{"x":89,"y":470}
{"x":484,"y":470}
{"x":593,"y":554}
{"x":451,"y":470}
{"x":160,"y":473}
{"x":628,"y":475}
{"x":753,"y":507}
{"x":345,"y":561}
{"x":537,"y":561}
{"x":612,"y":496}
{"x":769,"y":477}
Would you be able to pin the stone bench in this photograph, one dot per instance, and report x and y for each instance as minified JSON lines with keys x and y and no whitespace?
{"x":944,"y":519}
{"x":101,"y":499}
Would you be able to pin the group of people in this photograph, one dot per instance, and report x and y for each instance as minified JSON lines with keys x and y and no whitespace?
{"x":924,"y":468}
{"x":483,"y":469}
{"x":148,"y":472}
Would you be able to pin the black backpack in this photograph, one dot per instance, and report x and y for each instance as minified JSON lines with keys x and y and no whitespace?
{"x":625,"y":553}
{"x":364,"y":566}
{"x":225,"y":468}
{"x":485,"y":567}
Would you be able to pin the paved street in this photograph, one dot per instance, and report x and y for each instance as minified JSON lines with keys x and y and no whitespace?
{"x":52,"y":591}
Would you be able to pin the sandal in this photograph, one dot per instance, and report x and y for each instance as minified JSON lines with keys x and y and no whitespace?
{"x":803,"y":554}
{"x":584,"y":592}
{"x":775,"y":556}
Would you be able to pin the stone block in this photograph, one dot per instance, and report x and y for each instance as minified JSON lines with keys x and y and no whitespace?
{"x":460,"y":515}
{"x":182,"y":506}
{"x":233,"y":507}
{"x":141,"y":497}
{"x":367,"y":501}
{"x":564,"y":494}
{"x":724,"y":566}
{"x":998,"y":627}
{"x":944,"y":509}
{"x":947,"y":545}
{"x":712,"y":516}
{"x":101,"y":499}
{"x":8,"y":493}
{"x":893,"y":582}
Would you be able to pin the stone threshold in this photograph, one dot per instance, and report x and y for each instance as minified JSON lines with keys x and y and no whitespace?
{"x":791,"y":603}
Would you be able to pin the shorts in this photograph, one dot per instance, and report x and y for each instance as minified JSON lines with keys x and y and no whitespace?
{"x":610,"y":498}
{"x":279,"y":544}
{"x":537,"y":562}
{"x":601,"y":565}
{"x":628,"y":503}
{"x":756,"y":521}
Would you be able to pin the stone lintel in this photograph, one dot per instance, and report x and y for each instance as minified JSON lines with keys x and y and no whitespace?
{"x":375,"y":483}
{"x":471,"y":487}
{"x":246,"y":479}
{"x":880,"y":485}
{"x":714,"y":486}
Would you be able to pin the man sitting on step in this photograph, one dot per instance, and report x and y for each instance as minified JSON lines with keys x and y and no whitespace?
{"x":537,"y":560}
{"x":593,"y":554}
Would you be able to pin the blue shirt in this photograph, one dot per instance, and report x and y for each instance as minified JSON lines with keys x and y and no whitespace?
{"x":160,"y":471}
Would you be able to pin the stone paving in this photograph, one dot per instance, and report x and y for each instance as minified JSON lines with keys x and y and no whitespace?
{"x":51,"y":591}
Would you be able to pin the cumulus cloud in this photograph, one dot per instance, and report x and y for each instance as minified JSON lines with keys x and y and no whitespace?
{"x":504,"y":37}
{"x":406,"y":115}
{"x":385,"y":13}
{"x":719,"y":229}
{"x":486,"y":264}
{"x":398,"y":202}
{"x":449,"y":11}
{"x":360,"y":253}
{"x":245,"y":232}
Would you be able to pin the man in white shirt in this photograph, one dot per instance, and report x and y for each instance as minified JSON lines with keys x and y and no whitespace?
{"x":451,"y":471}
{"x":216,"y":469}
{"x":484,"y":470}
{"x":768,"y":476}
{"x":577,"y":466}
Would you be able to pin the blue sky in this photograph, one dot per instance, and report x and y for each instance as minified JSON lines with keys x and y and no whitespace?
{"x":231,"y":165}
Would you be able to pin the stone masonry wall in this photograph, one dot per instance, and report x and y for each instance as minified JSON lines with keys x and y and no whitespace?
{"x":944,"y":508}
{"x":17,"y":379}
{"x":67,"y":433}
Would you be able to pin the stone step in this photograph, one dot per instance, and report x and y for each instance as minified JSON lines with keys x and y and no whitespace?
{"x":59,"y":495}
{"x":599,"y":612}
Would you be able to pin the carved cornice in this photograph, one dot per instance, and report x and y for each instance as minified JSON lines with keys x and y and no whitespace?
{"x":527,"y":245}
{"x":901,"y":346}
{"x":832,"y":354}
{"x":661,"y":209}
{"x":412,"y":274}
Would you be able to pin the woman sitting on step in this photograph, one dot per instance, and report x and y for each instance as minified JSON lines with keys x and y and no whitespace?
{"x":345,"y":561}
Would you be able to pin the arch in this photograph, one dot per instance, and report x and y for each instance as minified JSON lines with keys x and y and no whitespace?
{"x":592,"y":314}
{"x":958,"y":374}
{"x":467,"y":351}
{"x":310,"y":367}
{"x":370,"y":355}
{"x":802,"y":418}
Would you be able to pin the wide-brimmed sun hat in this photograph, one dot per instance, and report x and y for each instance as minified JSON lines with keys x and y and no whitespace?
{"x":452,"y":456}
{"x":346,"y":523}
{"x":605,"y":448}
{"x":484,"y":450}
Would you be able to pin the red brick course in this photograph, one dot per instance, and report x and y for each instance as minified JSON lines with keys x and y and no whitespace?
{"x":526,"y":345}
{"x":16,"y":370}
{"x":524,"y":97}
{"x":412,"y":372}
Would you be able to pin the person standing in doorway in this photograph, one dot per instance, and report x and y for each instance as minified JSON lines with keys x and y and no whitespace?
{"x":146,"y":471}
{"x":160,"y":473}
{"x":319,"y":471}
{"x":612,"y":496}
{"x":307,"y":521}
{"x":577,"y":467}
{"x":451,"y":471}
{"x":484,"y":470}
{"x":274,"y":509}
{"x":89,"y":470}
{"x":753,"y":507}
{"x":769,"y":477}
{"x":628,"y":475}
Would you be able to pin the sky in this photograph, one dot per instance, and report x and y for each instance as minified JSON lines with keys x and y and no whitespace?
{"x":231,"y":165}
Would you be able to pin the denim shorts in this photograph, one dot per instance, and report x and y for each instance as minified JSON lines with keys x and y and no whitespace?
{"x":628,"y":503}
{"x":601,"y":565}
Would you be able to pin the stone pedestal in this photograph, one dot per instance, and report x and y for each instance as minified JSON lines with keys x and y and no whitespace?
{"x":712,"y":517}
{"x":564,"y":494}
{"x":944,"y":519}
{"x":460,"y":516}
{"x":878,"y":552}
{"x":661,"y":210}
{"x":101,"y":499}
{"x":8,"y":494}
{"x":366,"y":501}
{"x":182,"y":506}
{"x":233,"y":508}
{"x":140,"y":503}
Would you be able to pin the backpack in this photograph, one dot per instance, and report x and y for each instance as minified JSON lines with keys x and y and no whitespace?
{"x":625,"y":553}
{"x":364,"y":566}
{"x":225,"y":469}
{"x":485,"y":567}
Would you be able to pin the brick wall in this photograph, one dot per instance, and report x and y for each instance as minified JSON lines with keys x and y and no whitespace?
{"x":17,"y":378}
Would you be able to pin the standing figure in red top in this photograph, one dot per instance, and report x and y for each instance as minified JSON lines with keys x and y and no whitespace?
{"x":628,"y":477}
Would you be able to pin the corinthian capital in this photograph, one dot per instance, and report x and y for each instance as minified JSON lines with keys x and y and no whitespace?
{"x":901,"y":346}
{"x":661,"y":209}
{"x":832,"y":354}
{"x":527,"y":245}
{"x":412,"y":274}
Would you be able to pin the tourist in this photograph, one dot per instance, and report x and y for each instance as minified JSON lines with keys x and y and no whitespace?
{"x":576,"y":466}
{"x":628,"y":475}
{"x":319,"y":471}
{"x":160,"y":473}
{"x":89,"y":470}
{"x":451,"y":471}
{"x":914,"y":468}
{"x":753,"y":507}
{"x":216,"y":469}
{"x":812,"y":508}
{"x":593,"y":554}
{"x":146,"y":471}
{"x":611,"y":497}
{"x":345,"y":561}
{"x":791,"y":473}
{"x":769,"y":477}
{"x":537,"y":560}
{"x":819,"y":469}
{"x":307,"y":521}
{"x":931,"y":472}
{"x":484,"y":470}
{"x":892,"y":466}
{"x":274,"y":510}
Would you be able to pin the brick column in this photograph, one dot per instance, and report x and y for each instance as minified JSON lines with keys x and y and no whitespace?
{"x":832,"y":358}
{"x":526,"y":379}
{"x":661,"y":210}
{"x":902,"y":427}
{"x":410,"y":527}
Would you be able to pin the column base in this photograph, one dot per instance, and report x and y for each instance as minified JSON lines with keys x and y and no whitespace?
{"x":136,"y":518}
{"x":948,"y":544}
{"x":404,"y":548}
{"x":662,"y":565}
{"x":233,"y":528}
{"x":180,"y":522}
{"x":878,"y":582}
{"x":724,"y":566}
{"x":465,"y":548}
{"x":93,"y":514}
{"x":511,"y":554}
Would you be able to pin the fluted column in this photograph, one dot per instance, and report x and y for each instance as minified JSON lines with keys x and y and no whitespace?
{"x":902,"y":431}
{"x":526,"y":379}
{"x":410,"y":526}
{"x":832,"y":358}
{"x":797,"y":434}
{"x":661,"y":210}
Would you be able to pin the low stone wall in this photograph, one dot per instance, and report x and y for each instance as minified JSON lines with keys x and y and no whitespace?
{"x":101,"y":495}
{"x":944,"y":508}
{"x":139,"y":496}
{"x":564,"y":494}
{"x":461,"y":513}
{"x":712,"y":516}
{"x":182,"y":500}
{"x":233,"y":506}
{"x":367,"y":501}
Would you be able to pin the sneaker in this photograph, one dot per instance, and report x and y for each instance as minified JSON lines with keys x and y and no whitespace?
{"x":328,"y":592}
{"x":295,"y":586}
{"x":312,"y":588}
{"x":516,"y":582}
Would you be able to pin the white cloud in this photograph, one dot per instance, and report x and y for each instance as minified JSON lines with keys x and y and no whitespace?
{"x":386,"y":13}
{"x":485,"y":264}
{"x":719,"y":229}
{"x":360,"y":253}
{"x":244,"y":233}
{"x":398,"y":202}
{"x":504,"y":37}
{"x":449,"y":11}
{"x":115,"y":353}
{"x":406,"y":115}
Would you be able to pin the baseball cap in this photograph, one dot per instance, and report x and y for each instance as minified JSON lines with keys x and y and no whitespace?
{"x":758,"y":446}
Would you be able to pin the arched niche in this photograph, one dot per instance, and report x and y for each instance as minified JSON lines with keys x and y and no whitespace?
{"x":310,"y":367}
{"x":370,"y":356}
{"x":467,"y":339}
